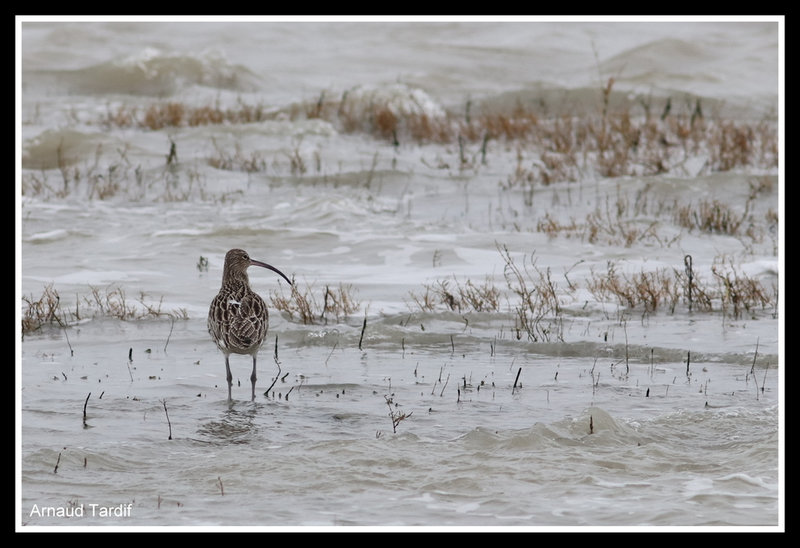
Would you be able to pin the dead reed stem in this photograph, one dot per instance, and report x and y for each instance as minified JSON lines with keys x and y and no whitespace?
{"x":396,"y":416}
{"x":171,"y":325}
{"x":755,"y":354}
{"x":516,"y":379}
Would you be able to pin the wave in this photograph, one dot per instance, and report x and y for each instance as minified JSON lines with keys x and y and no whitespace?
{"x":57,"y":148}
{"x":152,"y":72}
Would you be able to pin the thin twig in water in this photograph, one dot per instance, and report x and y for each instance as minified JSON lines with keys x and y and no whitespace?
{"x":167,"y":414}
{"x":55,"y":470}
{"x":625,"y":328}
{"x":266,"y":392}
{"x":445,"y":385}
{"x":71,"y":353}
{"x":221,"y":489}
{"x":331,"y":353}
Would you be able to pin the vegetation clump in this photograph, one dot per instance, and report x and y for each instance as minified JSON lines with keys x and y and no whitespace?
{"x":335,"y":304}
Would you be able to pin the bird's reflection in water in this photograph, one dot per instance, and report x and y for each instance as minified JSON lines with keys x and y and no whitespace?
{"x":234,"y":426}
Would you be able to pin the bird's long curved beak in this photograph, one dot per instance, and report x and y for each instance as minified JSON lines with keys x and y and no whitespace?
{"x":270,"y":267}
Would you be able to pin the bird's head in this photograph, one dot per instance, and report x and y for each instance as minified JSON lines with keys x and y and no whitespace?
{"x":237,"y":261}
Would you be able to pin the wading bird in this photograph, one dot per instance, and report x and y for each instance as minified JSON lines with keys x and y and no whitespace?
{"x":238,"y":319}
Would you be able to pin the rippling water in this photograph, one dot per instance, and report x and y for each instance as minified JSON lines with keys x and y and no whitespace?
{"x":391,"y":415}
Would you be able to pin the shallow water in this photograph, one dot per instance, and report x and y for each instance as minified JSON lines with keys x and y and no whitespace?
{"x":601,"y":422}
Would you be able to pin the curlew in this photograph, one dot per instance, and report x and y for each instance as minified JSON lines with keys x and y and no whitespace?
{"x":238,"y":319}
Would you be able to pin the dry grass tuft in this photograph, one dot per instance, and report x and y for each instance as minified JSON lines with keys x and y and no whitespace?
{"x":537,"y":310}
{"x":42,"y":311}
{"x":738,"y":292}
{"x":713,"y":217}
{"x":174,"y":114}
{"x":647,"y":290}
{"x":467,"y":297}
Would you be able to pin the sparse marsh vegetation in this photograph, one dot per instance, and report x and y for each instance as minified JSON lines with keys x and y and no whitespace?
{"x":48,"y":309}
{"x":533,"y":297}
{"x":624,"y":222}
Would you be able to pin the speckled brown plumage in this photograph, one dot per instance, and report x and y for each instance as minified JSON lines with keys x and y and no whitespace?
{"x":238,"y":318}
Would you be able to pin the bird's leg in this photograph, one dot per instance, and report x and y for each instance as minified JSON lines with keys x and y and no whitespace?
{"x":229,"y":376}
{"x":253,"y":379}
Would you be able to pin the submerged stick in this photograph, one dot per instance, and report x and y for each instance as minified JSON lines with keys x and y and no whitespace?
{"x":687,"y":263}
{"x":363,"y":328}
{"x":84,"y":409}
{"x":688,"y":355}
{"x":516,"y":379}
{"x":55,"y":470}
